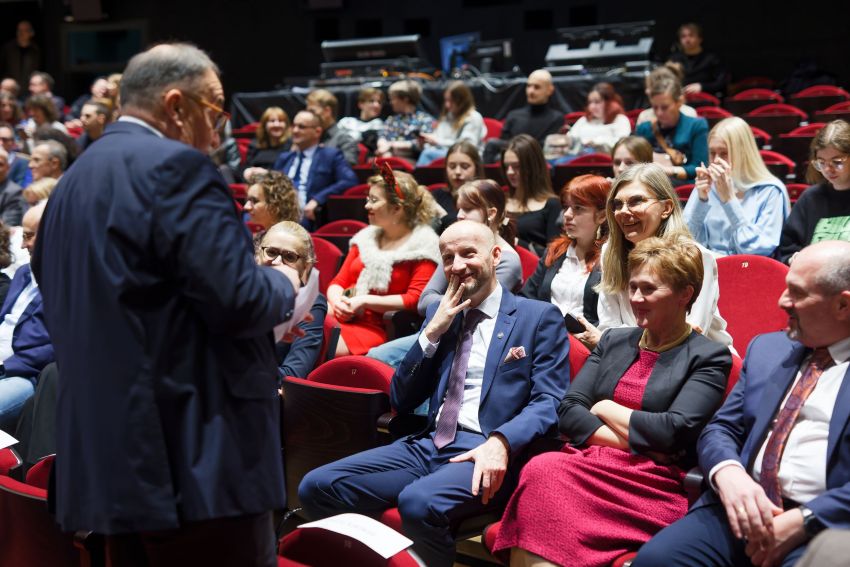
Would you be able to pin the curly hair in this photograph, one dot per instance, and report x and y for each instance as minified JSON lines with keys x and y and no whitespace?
{"x":418,"y":204}
{"x":45,"y":104}
{"x":281,"y":197}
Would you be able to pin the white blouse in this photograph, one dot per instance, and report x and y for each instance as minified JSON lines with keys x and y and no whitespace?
{"x":568,"y":284}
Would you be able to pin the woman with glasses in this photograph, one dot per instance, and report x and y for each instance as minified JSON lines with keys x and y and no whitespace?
{"x":389,"y":262}
{"x":632,"y":417}
{"x":531,"y":201}
{"x":272,"y":199}
{"x":737,"y":206}
{"x":642,"y":204}
{"x":480,"y":200}
{"x":568,"y":273}
{"x":273,"y":137}
{"x":823,"y":211}
{"x":629,"y":151}
{"x":289,"y":243}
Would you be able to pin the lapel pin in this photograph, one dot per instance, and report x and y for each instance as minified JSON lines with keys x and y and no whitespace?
{"x":500,"y":335}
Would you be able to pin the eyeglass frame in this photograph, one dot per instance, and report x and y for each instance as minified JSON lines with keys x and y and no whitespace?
{"x":280,"y":255}
{"x":222,"y":116}
{"x":644,"y":203}
{"x":821,"y":164}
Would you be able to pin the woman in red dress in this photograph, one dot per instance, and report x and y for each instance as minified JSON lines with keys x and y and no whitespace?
{"x":632,"y":417}
{"x":389,"y":263}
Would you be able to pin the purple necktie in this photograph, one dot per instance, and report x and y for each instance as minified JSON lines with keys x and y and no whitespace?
{"x":447,"y":426}
{"x":785,"y":420}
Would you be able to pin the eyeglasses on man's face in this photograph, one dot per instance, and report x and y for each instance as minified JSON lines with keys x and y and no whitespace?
{"x":220,"y":117}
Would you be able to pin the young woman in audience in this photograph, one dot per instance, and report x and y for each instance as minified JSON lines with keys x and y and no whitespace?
{"x":531,"y":201}
{"x":459,"y":121}
{"x":602,"y":125}
{"x":629,"y":151}
{"x":463,"y":164}
{"x":389,"y":263}
{"x":737,"y":206}
{"x":370,"y":101}
{"x":680,"y":142}
{"x":272,"y":199}
{"x":289,"y":243}
{"x":400,"y":136}
{"x":823,"y":210}
{"x":568,"y":273}
{"x":666,"y":70}
{"x":42,"y":111}
{"x":273,"y":137}
{"x":642,"y":204}
{"x":483,"y":201}
{"x":10,"y":109}
{"x":632,"y":417}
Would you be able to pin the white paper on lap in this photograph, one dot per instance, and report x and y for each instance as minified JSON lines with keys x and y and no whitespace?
{"x":378,"y":537}
{"x":303,"y":302}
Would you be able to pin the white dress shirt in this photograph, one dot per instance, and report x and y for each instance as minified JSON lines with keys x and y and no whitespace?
{"x":802,"y":468}
{"x":481,"y":338}
{"x":305,"y":170}
{"x":140,"y":122}
{"x":568,"y":284}
{"x":7,"y":327}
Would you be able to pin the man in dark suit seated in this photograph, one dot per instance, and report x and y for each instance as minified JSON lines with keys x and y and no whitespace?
{"x":11,"y":202}
{"x":777,"y":454}
{"x":494,"y":367}
{"x":317,"y":172}
{"x":167,"y":416}
{"x":25,"y":347}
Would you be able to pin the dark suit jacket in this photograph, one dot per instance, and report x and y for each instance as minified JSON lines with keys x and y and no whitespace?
{"x":11,"y":203}
{"x":684,"y":390}
{"x":739,"y":429}
{"x":30,"y":340}
{"x":539,"y":286}
{"x":329,"y":173}
{"x":19,"y":168}
{"x":161,"y":323}
{"x":518,"y":398}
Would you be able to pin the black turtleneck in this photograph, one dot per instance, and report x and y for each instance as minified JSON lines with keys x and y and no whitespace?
{"x":536,"y":120}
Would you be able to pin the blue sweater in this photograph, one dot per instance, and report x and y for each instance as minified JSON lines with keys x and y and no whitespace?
{"x":690,"y":137}
{"x":751,"y":225}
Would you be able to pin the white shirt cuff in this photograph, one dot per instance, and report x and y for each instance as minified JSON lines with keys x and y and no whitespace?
{"x":428,"y":348}
{"x":719,"y":466}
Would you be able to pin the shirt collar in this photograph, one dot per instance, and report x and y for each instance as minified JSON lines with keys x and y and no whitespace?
{"x":490,"y":305}
{"x":308,"y":153}
{"x":840,"y":351}
{"x":140,"y":122}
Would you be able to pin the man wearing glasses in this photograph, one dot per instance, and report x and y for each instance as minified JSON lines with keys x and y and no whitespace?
{"x":167,"y":428}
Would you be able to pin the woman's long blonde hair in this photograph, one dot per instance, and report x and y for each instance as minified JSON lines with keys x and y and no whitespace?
{"x":615,"y":273}
{"x":748,"y":168}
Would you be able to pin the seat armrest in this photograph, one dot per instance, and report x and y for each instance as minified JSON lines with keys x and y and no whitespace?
{"x":401,"y":425}
{"x":693,"y":484}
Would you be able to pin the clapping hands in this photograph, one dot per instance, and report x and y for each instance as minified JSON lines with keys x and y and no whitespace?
{"x":719,"y":173}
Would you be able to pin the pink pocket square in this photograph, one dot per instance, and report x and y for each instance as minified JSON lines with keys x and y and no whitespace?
{"x":515,"y":353}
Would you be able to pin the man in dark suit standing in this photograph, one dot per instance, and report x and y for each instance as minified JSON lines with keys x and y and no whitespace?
{"x":494,"y":367}
{"x":316,"y":171}
{"x":167,"y":427}
{"x":777,"y":454}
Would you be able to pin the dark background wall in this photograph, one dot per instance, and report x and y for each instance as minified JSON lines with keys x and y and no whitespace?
{"x":262,"y":44}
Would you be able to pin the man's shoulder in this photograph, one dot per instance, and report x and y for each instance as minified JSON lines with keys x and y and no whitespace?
{"x":770,"y":346}
{"x":529,"y":308}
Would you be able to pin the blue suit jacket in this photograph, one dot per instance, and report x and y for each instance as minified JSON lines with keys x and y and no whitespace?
{"x":740,"y":427}
{"x":329,"y":173}
{"x":518,"y":398}
{"x":161,"y":322}
{"x":19,"y":169}
{"x":690,"y":138}
{"x":30,"y":340}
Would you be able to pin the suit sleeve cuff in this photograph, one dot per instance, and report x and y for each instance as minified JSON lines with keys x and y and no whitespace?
{"x":428,"y":348}
{"x":719,"y":466}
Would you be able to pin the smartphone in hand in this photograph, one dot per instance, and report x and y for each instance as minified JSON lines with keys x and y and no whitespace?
{"x":573,"y":325}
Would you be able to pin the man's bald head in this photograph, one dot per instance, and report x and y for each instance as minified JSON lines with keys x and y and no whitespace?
{"x":831,"y":260}
{"x":470,"y":230}
{"x":469,"y":253}
{"x":539,"y":87}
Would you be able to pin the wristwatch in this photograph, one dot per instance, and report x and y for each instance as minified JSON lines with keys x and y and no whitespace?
{"x":811,"y":525}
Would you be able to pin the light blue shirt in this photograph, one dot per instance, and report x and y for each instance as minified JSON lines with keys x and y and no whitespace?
{"x":750,"y":225}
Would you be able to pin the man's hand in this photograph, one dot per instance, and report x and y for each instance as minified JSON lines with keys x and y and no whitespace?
{"x":491,"y":463}
{"x":693,"y":88}
{"x":450,"y":305}
{"x":310,"y":209}
{"x":749,"y":510}
{"x":251,"y":172}
{"x":788,"y":533}
{"x":290,"y":273}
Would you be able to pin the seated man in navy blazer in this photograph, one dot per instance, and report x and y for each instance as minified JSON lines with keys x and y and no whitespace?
{"x":777,"y":454}
{"x":494,"y":367}
{"x":317,"y":172}
{"x":25,"y":347}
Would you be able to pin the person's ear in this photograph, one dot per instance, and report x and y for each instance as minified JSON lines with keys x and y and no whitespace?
{"x":174,"y":105}
{"x":842,"y":305}
{"x":668,"y":209}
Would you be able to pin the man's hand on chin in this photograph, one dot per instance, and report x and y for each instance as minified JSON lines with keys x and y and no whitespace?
{"x":491,"y":464}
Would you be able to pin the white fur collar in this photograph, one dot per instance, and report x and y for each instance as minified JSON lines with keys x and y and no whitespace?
{"x":423,"y":244}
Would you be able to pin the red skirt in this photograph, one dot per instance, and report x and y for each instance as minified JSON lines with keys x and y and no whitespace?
{"x":587,"y":507}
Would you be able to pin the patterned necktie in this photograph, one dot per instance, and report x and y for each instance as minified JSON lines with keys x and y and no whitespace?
{"x":447,"y":426}
{"x":296,"y":177}
{"x":784,"y":422}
